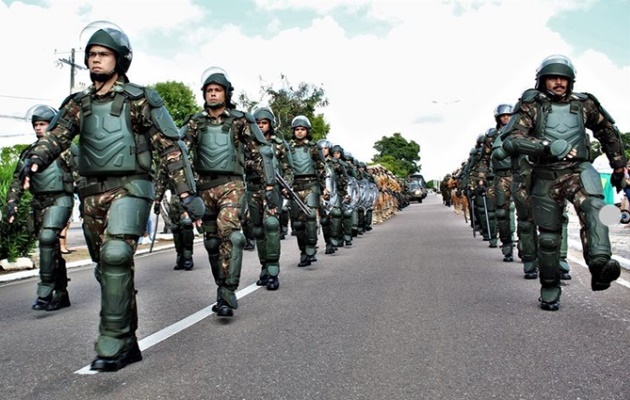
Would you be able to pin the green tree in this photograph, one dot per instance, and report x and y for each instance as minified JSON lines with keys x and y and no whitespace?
{"x":178,"y":99}
{"x":398,"y":155}
{"x":625,"y":138}
{"x":16,"y":239}
{"x":289,"y":102}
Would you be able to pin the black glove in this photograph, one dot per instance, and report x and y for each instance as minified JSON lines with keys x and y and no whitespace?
{"x":157,"y":207}
{"x":11,"y":210}
{"x":616,"y":179}
{"x":273,"y":200}
{"x":194,"y":207}
{"x":26,"y":167}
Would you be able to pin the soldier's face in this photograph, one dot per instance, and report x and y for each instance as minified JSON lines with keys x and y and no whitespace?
{"x":557,"y":85}
{"x":337,"y":154}
{"x":264,"y":125}
{"x":40,"y":128}
{"x":215,"y":94}
{"x":504,"y":119}
{"x":300,"y":132}
{"x":101,"y":60}
{"x":325,"y":151}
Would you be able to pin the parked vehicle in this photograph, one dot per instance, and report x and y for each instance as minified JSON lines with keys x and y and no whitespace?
{"x":417,"y":188}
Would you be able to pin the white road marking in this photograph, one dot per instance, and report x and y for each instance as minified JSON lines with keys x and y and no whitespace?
{"x":177,"y":327}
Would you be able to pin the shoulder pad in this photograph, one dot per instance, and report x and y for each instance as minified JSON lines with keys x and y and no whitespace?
{"x":133,"y":91}
{"x":237,"y":113}
{"x":278,"y":140}
{"x":77,"y":96}
{"x":249,"y":118}
{"x":530,"y":95}
{"x":584,"y":96}
{"x":153,"y":98}
{"x":491,"y":132}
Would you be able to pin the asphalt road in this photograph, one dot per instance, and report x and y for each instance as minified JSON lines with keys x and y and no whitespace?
{"x":415,"y":309}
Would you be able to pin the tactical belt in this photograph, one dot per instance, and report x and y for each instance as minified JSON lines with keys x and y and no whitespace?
{"x":303,"y":183}
{"x":550,"y":174}
{"x":102,"y":185}
{"x":211,"y":181}
{"x":503,"y":172}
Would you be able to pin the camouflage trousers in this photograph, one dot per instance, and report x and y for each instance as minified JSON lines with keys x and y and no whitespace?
{"x":223,"y":239}
{"x":112,"y":223}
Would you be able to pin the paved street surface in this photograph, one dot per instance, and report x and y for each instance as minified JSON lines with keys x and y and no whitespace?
{"x":415,"y":309}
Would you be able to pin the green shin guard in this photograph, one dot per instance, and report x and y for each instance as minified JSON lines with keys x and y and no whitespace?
{"x":48,"y":254}
{"x":118,"y":319}
{"x":232,"y":279}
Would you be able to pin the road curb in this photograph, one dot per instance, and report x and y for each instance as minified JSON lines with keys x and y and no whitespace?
{"x":30,"y":273}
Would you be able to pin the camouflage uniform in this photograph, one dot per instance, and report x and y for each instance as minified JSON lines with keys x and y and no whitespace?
{"x":266,"y":226}
{"x":309,"y":181}
{"x":330,"y":209}
{"x":485,"y":199}
{"x":181,"y":225}
{"x":551,"y":129}
{"x":223,"y":193}
{"x":115,"y":208}
{"x":52,"y":203}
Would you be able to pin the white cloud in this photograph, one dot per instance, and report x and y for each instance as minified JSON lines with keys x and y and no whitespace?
{"x":376,"y":86}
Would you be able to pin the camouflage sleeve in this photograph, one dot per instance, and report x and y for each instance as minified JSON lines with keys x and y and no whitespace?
{"x":342,"y":178}
{"x":161,"y":182}
{"x":320,"y":164}
{"x":16,"y":190}
{"x":604,"y":130}
{"x":60,"y":136}
{"x":167,"y":148}
{"x":286,"y":165}
{"x":244,"y":135}
{"x":521,"y":124}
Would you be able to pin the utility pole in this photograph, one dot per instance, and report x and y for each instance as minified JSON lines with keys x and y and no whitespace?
{"x":72,"y":65}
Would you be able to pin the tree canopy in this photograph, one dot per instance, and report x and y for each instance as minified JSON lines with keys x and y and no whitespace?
{"x":178,"y":99}
{"x":398,"y":155}
{"x":289,"y":102}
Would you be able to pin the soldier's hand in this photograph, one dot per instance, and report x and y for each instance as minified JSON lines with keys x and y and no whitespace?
{"x":194,"y":206}
{"x":272,"y":199}
{"x":326,"y":194}
{"x":157,"y":207}
{"x":11,"y":211}
{"x":617,"y":179}
{"x":30,"y":166}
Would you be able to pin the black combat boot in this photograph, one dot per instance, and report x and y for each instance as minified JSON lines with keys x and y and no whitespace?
{"x":305,"y":260}
{"x":250,"y":244}
{"x":60,"y":300}
{"x":222,"y":309}
{"x":273,"y":283}
{"x":188,"y":263}
{"x":130,"y":354}
{"x":550,"y":306}
{"x":601,"y":277}
{"x":179,"y":264}
{"x":329,"y":249}
{"x":41,"y":303}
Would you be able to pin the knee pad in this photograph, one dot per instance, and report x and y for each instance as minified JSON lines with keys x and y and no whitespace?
{"x":211,"y":243}
{"x":502,"y":214}
{"x":238,"y":239}
{"x":48,"y":237}
{"x":549,"y":241}
{"x":271,"y":224}
{"x":298,"y":225}
{"x":336,"y":212}
{"x":257,"y":231}
{"x":116,"y":253}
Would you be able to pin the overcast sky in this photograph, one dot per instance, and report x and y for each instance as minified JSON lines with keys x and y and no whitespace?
{"x":432,"y":70}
